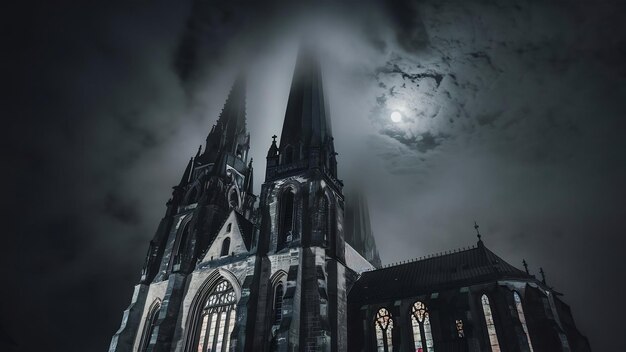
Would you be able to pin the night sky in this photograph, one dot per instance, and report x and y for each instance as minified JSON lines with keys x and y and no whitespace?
{"x":513,"y":115}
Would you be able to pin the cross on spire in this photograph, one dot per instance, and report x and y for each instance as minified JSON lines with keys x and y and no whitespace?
{"x":477,"y":232}
{"x":525,"y":265}
{"x":274,"y":138}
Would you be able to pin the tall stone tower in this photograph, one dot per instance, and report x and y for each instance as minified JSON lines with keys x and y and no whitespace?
{"x":214,"y":183}
{"x":301,"y":231}
{"x":357,"y":227}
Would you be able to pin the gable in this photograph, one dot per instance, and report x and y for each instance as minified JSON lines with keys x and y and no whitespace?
{"x":233,"y":234}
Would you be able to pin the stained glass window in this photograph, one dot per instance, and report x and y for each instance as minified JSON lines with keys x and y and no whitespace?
{"x":459,"y":328}
{"x":422,"y":334}
{"x":217,"y":319}
{"x":522,"y":317}
{"x":384,"y":327}
{"x":491,"y":327}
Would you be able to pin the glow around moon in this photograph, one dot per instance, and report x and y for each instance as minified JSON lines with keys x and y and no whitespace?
{"x":396,"y":116}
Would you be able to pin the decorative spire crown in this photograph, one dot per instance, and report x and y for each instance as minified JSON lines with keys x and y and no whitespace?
{"x":480,"y":241}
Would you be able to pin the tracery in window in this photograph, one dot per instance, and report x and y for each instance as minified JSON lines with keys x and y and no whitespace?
{"x":286,"y":218}
{"x":522,"y":318}
{"x":225,"y":247}
{"x":278,"y":303}
{"x":384,"y":327}
{"x":422,"y":334}
{"x":459,"y":328}
{"x":218,"y":319}
{"x":491,"y":327}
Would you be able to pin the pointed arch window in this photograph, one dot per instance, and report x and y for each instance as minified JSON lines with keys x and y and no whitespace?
{"x":225,"y":247}
{"x":181,"y":245}
{"x":522,"y":318}
{"x":217,"y":319}
{"x":491,"y":326}
{"x":322,"y":223}
{"x":149,"y":325}
{"x":422,"y":332}
{"x":286,"y":227}
{"x":384,"y":327}
{"x":278,"y":302}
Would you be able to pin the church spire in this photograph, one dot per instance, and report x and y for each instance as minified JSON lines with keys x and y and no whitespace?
{"x":229,"y":134}
{"x":185,"y":179}
{"x":306,"y":140}
{"x":233,"y":116}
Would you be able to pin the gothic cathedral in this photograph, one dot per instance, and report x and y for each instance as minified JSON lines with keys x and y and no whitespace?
{"x":296,"y":267}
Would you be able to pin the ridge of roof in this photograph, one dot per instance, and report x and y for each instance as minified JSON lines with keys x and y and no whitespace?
{"x":426,"y":257}
{"x":461,"y":267}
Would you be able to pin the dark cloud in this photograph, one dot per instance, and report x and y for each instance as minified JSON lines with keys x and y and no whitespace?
{"x":512,"y":116}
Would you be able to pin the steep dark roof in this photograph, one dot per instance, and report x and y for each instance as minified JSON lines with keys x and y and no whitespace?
{"x":306,"y":119}
{"x":246,"y":228}
{"x":462,"y":268}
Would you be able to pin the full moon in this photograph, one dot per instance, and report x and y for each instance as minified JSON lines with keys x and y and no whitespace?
{"x":396,"y":116}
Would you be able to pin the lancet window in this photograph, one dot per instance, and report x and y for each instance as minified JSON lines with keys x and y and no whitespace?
{"x":181,"y":243}
{"x":522,"y":318}
{"x":491,"y":327}
{"x":278,"y":302}
{"x":149,"y":325}
{"x":225,"y":247}
{"x":384,"y":327}
{"x":460,"y":332}
{"x":322,"y":219}
{"x":422,"y":332}
{"x":217,"y":319}
{"x":286,"y":227}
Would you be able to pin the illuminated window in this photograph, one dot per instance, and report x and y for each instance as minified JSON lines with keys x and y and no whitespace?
{"x":278,"y":303}
{"x":491,"y":327}
{"x":217,"y":319}
{"x":384,"y":326}
{"x":522,"y":317}
{"x":422,"y":334}
{"x":149,"y":325}
{"x":225,"y":247}
{"x":459,"y":328}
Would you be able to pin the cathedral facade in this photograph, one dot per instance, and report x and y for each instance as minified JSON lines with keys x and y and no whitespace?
{"x":295,"y":268}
